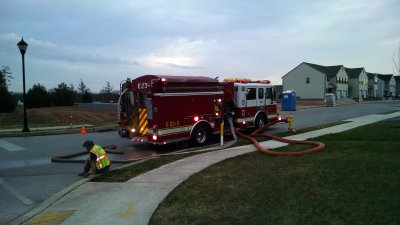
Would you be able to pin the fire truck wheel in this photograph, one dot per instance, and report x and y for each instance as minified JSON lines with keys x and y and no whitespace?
{"x":260,"y":121}
{"x":201,"y":135}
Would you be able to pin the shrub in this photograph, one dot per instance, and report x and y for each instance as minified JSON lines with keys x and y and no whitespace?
{"x":8,"y":102}
{"x":63,"y":95}
{"x":37,"y":97}
{"x":86,"y":98}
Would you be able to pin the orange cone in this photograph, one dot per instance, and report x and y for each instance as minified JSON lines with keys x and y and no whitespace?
{"x":83,"y":130}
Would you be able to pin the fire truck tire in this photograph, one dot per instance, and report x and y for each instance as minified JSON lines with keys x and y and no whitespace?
{"x":260,"y":121}
{"x":201,"y":135}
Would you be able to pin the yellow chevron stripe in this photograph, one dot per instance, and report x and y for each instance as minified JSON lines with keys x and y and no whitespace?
{"x":144,"y":125}
{"x":142,"y":112}
{"x":143,"y":121}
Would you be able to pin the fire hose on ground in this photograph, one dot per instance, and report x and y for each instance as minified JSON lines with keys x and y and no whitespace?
{"x":319,"y":146}
{"x":67,"y":158}
{"x":110,"y":149}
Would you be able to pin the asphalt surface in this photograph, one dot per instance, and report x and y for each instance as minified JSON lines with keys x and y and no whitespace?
{"x":28,"y":177}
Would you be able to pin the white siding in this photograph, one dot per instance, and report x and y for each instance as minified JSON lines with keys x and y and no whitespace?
{"x":353,"y":89}
{"x":363,"y":85}
{"x":296,"y":80}
{"x":373,"y":87}
{"x":381,"y":88}
{"x":392,"y":87}
{"x":342,"y":88}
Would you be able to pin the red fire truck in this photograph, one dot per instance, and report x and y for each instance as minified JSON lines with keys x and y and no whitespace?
{"x":165,"y":109}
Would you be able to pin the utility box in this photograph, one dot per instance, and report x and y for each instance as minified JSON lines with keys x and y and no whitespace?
{"x":289,"y":100}
{"x":330,"y":100}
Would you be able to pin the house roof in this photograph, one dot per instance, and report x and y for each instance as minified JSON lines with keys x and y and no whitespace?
{"x":330,"y":71}
{"x":353,"y":72}
{"x":385,"y":77}
{"x":371,"y":75}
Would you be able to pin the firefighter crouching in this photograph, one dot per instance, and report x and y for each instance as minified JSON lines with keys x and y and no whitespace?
{"x":97,"y":162}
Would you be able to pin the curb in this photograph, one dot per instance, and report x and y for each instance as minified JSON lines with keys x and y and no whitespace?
{"x":47,"y":203}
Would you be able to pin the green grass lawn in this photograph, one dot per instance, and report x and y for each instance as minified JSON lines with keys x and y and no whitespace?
{"x":355,"y":180}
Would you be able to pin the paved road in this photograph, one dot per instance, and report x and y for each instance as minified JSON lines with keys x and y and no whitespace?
{"x":27,"y":176}
{"x":323,"y":115}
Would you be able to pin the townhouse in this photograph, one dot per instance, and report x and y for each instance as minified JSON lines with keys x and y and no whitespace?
{"x":312,"y":81}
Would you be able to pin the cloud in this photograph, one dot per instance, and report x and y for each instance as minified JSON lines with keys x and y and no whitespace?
{"x":50,"y":51}
{"x":179,"y":53}
{"x":183,"y":67}
{"x":102,"y":40}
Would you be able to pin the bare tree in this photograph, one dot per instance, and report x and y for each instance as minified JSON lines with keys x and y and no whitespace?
{"x":82,"y":88}
{"x":5,"y":76}
{"x":108,"y":93}
{"x":108,"y":88}
{"x":84,"y":93}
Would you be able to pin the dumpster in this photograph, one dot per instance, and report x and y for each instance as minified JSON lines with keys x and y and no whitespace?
{"x":289,"y":100}
{"x":330,"y":100}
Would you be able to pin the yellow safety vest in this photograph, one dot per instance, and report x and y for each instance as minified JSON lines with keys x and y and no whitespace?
{"x":102,"y":159}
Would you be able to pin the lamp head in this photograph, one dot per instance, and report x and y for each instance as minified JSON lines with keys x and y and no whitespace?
{"x":22,"y":45}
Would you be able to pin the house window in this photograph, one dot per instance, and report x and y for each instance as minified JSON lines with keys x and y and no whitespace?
{"x":307,"y":80}
{"x":328,"y":79}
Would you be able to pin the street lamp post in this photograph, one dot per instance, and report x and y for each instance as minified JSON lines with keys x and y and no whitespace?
{"x":22,"y":45}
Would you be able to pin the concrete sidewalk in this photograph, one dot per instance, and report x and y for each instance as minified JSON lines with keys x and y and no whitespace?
{"x":134,"y":201}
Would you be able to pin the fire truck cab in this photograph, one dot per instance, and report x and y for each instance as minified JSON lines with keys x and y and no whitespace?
{"x":254,"y":104}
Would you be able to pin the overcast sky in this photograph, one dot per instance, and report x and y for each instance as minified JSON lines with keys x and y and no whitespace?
{"x":102,"y":40}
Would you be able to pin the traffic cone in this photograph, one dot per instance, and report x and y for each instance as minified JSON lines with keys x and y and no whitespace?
{"x":83,"y":130}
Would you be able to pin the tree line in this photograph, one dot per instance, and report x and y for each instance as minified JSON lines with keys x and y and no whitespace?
{"x":63,"y":95}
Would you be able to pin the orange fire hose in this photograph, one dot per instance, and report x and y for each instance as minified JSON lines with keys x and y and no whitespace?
{"x":258,"y":133}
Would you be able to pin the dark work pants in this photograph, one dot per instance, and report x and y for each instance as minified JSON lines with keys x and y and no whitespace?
{"x":86,"y":168}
